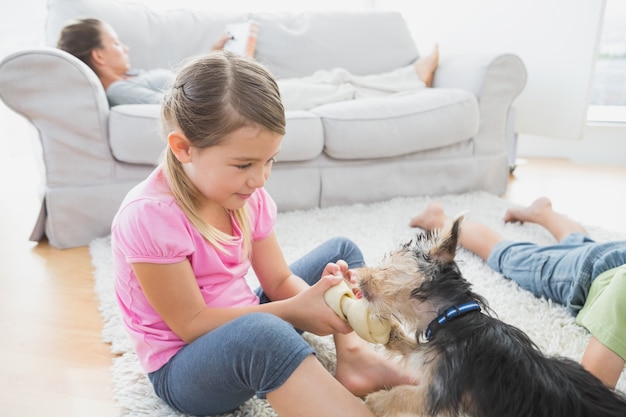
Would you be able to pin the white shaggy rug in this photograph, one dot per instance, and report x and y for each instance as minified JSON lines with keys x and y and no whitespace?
{"x":376,"y":228}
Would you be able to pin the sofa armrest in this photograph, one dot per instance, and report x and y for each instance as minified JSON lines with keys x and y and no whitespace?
{"x":66,"y":102}
{"x":496,"y":80}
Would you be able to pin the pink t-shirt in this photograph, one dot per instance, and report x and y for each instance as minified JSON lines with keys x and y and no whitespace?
{"x":150,"y":227}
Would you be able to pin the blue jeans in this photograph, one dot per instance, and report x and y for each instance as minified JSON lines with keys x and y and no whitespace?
{"x":251,"y":355}
{"x":562,"y":272}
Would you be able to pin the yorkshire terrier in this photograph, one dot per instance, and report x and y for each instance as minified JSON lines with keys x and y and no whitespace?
{"x":468,"y":362}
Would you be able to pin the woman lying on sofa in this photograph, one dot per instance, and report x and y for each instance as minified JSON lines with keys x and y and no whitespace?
{"x":96,"y":44}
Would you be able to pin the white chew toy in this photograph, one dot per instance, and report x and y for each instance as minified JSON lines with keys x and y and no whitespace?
{"x":343,"y":302}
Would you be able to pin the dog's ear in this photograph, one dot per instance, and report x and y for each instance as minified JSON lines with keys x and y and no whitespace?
{"x":447,"y":240}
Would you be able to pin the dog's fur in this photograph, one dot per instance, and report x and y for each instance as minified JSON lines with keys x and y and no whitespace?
{"x":474,"y":365}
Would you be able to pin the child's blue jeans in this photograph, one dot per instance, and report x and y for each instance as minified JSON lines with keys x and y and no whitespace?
{"x":251,"y":355}
{"x":562,"y":272}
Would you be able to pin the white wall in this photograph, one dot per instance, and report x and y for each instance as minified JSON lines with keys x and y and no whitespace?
{"x":21,"y":24}
{"x":601,"y":144}
{"x":256,"y":5}
{"x":22,"y":21}
{"x":557,"y":40}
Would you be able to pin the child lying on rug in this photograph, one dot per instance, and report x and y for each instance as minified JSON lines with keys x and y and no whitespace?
{"x":586,"y":276}
{"x":184,"y":239}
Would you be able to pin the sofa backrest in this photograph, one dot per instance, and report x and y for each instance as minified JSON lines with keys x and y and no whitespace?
{"x":363,"y":42}
{"x":289,"y":44}
{"x":157,"y":39}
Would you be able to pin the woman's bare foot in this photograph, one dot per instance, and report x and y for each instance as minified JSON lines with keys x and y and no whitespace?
{"x":425,"y":66}
{"x":434,"y":217}
{"x":362,"y":370}
{"x":532,"y":213}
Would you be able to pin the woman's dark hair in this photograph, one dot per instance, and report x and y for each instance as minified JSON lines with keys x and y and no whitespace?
{"x":80,"y":37}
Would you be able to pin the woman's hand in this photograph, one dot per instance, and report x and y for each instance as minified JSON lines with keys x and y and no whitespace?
{"x":219,"y":44}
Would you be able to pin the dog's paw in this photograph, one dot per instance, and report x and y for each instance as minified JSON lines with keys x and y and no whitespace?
{"x":377,"y":403}
{"x":400,"y":401}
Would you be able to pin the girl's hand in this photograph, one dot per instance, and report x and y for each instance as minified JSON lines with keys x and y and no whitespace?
{"x":309,"y":311}
{"x":341,"y":269}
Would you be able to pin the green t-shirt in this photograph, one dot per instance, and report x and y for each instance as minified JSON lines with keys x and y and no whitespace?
{"x":604,"y":312}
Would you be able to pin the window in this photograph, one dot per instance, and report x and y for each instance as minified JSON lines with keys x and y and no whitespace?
{"x":608,"y":93}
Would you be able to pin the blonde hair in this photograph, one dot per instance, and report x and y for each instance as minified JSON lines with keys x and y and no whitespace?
{"x":212,"y":96}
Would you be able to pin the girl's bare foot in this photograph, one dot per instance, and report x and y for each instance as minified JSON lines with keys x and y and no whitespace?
{"x":532,"y":213}
{"x":434,"y":217}
{"x":425,"y":66}
{"x":362,"y":370}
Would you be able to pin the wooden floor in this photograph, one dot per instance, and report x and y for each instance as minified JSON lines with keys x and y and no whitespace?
{"x":52,"y":360}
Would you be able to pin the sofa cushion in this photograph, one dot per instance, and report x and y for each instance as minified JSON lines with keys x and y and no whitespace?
{"x":135,"y":136}
{"x":134,"y":133}
{"x":363,"y":42}
{"x":398,"y":124}
{"x":304,"y":137}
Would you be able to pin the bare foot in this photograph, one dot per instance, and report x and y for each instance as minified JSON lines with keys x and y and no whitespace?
{"x":434,"y":217}
{"x":540,"y":212}
{"x":531,"y":213}
{"x":425,"y":66}
{"x":362,"y":370}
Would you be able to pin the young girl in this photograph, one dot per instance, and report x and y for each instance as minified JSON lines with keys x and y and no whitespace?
{"x":184,"y":239}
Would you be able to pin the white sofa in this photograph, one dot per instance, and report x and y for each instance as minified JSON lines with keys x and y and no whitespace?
{"x":448,"y":139}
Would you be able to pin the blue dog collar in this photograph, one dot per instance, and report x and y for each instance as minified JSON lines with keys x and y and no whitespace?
{"x":449,"y":314}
